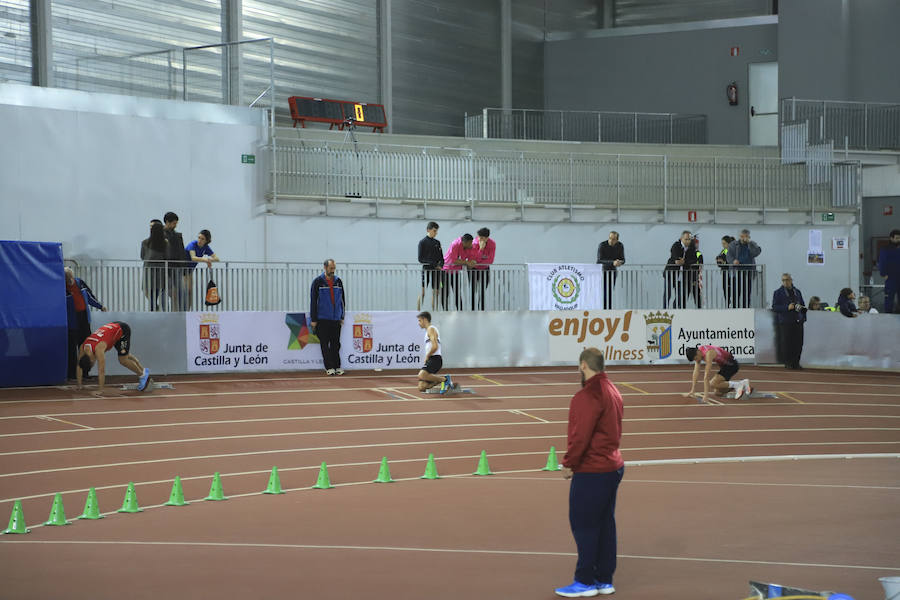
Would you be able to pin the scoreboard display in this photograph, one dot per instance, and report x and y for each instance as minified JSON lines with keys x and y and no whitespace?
{"x":340,"y":113}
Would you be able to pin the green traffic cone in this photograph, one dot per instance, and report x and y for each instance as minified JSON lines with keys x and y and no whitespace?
{"x":176,"y":498}
{"x":130,"y":505}
{"x":57,"y":512}
{"x":483,"y":467}
{"x":215,"y":490}
{"x":17,"y":520}
{"x":274,"y":486}
{"x":91,"y":506}
{"x":384,"y":473}
{"x":552,"y":462}
{"x":431,"y":469}
{"x":324,"y":482}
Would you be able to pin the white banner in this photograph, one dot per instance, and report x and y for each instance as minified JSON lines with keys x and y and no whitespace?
{"x":555,"y":286}
{"x":647,"y":337}
{"x":278,"y":341}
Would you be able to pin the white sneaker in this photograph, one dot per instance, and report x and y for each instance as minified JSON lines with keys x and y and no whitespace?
{"x":330,"y":372}
{"x":338,"y":371}
{"x":748,"y":389}
{"x":739,"y":391}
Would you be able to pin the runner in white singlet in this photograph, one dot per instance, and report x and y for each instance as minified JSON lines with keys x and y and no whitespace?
{"x":428,"y":377}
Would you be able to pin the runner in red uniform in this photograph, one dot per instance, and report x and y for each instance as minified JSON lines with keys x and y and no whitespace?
{"x":112,"y":335}
{"x":720,"y":382}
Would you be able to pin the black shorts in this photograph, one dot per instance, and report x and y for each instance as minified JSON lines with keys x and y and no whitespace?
{"x":729,"y":370}
{"x":433,"y":364}
{"x":431,"y":277}
{"x":123,"y":346}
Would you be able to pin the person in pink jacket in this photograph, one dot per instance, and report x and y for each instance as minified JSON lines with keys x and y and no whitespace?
{"x":480,"y":275}
{"x":462,"y":253}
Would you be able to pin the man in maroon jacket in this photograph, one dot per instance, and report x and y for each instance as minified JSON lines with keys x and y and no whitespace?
{"x":595,"y":465}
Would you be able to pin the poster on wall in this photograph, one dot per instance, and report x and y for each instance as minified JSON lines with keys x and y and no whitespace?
{"x":814,"y":254}
{"x":839,"y":243}
{"x":278,"y":341}
{"x":557,"y":286}
{"x":648,"y":337}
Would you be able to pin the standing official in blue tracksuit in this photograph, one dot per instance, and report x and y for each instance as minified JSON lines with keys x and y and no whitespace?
{"x":326,"y":315}
{"x":889,"y":267}
{"x":790,"y":315}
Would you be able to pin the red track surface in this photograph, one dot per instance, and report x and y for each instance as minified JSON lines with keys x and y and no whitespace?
{"x":687,"y":530}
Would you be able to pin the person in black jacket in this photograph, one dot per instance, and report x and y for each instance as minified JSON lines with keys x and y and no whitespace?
{"x":845,"y":303}
{"x":790,"y":314}
{"x":682,"y":272}
{"x":431,"y":257}
{"x":610,"y":254}
{"x":176,"y":265}
{"x":327,"y":302}
{"x":727,"y":276}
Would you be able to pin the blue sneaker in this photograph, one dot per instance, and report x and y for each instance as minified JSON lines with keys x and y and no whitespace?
{"x":577,"y":590}
{"x":144,"y":380}
{"x":446,"y":385}
{"x":605,"y":588}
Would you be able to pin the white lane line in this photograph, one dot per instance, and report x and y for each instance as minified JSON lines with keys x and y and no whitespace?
{"x":486,"y":386}
{"x":459,"y":441}
{"x":275,"y":435}
{"x":697,"y":482}
{"x":525,"y":414}
{"x":534,"y":421}
{"x":58,"y":420}
{"x":498,"y":552}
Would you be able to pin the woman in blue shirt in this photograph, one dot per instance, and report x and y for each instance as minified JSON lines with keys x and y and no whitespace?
{"x":198,"y":251}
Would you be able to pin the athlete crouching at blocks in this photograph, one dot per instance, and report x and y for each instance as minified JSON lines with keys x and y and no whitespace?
{"x":428,"y":377}
{"x":112,"y":335}
{"x":720,"y":382}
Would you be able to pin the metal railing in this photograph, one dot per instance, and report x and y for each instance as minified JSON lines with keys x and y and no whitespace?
{"x":131,"y":286}
{"x":422,"y":174}
{"x":849,"y":125}
{"x":586,"y":126}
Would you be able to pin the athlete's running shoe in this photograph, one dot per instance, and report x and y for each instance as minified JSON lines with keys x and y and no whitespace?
{"x":444,"y":387}
{"x":739,"y":391}
{"x":748,"y":389}
{"x":605,"y":588}
{"x":144,"y":381}
{"x":577,"y":590}
{"x":338,"y":371}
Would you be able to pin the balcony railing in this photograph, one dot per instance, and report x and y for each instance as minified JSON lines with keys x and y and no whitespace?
{"x":587,"y":126}
{"x":131,"y":286}
{"x":423,"y":174}
{"x":850,"y":125}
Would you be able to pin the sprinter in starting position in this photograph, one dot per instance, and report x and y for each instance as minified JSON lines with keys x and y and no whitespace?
{"x":720,"y":382}
{"x":112,"y":335}
{"x":428,"y":377}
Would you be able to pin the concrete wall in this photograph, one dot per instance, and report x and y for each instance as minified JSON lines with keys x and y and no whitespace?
{"x":839,"y":49}
{"x":682,"y":71}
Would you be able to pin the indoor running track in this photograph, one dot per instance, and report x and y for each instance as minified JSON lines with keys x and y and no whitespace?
{"x":693,"y":522}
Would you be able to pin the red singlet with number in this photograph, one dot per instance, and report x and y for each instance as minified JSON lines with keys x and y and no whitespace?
{"x":723,"y":356}
{"x":110,"y":334}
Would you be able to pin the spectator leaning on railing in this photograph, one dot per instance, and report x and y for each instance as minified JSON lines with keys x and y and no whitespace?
{"x":480,"y":274}
{"x":790,"y":314}
{"x":79,"y":299}
{"x":154,"y":251}
{"x":610,"y":254}
{"x":889,"y":267}
{"x":461,"y":254}
{"x":198,"y":251}
{"x":682,"y":271}
{"x":845,"y":303}
{"x":742,"y":254}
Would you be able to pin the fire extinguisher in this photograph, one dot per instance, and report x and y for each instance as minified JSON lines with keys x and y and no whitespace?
{"x":732,"y":93}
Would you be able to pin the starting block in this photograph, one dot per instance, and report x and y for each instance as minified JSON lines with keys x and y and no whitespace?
{"x":133,"y":387}
{"x":454,"y":391}
{"x":774,"y":590}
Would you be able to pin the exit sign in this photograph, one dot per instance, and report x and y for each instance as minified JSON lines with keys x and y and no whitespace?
{"x":250,"y":159}
{"x":828,"y":216}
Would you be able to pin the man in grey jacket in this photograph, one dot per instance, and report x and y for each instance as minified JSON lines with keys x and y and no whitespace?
{"x":742,"y":253}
